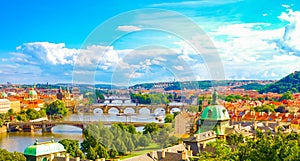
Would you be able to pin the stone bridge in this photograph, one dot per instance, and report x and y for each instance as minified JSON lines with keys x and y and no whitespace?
{"x":121,"y":107}
{"x":47,"y":126}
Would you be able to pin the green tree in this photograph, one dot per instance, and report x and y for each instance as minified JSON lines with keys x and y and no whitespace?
{"x":144,"y":141}
{"x":32,"y":114}
{"x":287,"y":96}
{"x":14,"y":156}
{"x":151,"y":127}
{"x":193,"y":109}
{"x":101,"y":151}
{"x":56,"y":107}
{"x":120,"y":146}
{"x":91,"y":154}
{"x":129,"y":143}
{"x":131,"y":129}
{"x":169,"y":118}
{"x":113,"y":151}
{"x":72,"y":147}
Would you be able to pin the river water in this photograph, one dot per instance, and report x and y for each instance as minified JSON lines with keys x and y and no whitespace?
{"x":18,"y":141}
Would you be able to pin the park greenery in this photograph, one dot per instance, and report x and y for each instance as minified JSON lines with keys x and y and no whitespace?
{"x":154,"y":99}
{"x":24,"y":115}
{"x":56,"y":108}
{"x":169,"y":118}
{"x":264,"y":147}
{"x":72,"y":147}
{"x":31,"y":114}
{"x":11,"y":156}
{"x":119,"y":140}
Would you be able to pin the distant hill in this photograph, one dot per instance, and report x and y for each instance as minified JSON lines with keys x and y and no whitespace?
{"x":289,"y":83}
{"x":206,"y":84}
{"x":251,"y":86}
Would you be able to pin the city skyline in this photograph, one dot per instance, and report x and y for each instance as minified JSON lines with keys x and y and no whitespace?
{"x":50,"y":42}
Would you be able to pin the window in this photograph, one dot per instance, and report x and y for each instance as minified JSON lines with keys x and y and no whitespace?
{"x":209,"y":113}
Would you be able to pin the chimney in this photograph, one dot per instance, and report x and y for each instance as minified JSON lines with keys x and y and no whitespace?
{"x":269,"y":113}
{"x":67,"y":157}
{"x":286,"y":114}
{"x":267,"y":123}
{"x":183,"y":155}
{"x":77,"y":158}
{"x":163,"y":153}
{"x":277,"y":114}
{"x":295,"y":115}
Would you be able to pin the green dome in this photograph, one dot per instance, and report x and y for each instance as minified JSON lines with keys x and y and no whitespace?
{"x":44,"y":148}
{"x":32,"y":93}
{"x":215,"y":112}
{"x":4,"y":94}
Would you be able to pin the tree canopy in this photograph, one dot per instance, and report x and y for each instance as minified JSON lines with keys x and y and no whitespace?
{"x":56,"y":108}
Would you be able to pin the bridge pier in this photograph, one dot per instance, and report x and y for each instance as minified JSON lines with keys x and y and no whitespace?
{"x":137,"y":110}
{"x":105,"y":109}
{"x":45,"y":128}
{"x":167,"y":109}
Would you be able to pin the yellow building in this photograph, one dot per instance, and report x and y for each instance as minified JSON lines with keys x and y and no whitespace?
{"x":4,"y":105}
{"x":15,"y":104}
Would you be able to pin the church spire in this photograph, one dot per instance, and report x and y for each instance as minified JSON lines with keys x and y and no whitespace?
{"x":214,"y":98}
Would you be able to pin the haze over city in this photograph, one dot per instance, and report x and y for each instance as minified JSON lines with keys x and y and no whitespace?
{"x":46,"y":42}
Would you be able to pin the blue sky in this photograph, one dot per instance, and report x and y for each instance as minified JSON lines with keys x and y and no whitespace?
{"x":125,"y":42}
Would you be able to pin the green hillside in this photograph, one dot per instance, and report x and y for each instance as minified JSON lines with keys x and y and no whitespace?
{"x":251,"y":86}
{"x":288,"y":83}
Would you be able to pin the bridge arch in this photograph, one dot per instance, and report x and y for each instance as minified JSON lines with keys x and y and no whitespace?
{"x":114,"y":107}
{"x":130,"y":110}
{"x":98,"y":110}
{"x":144,"y":110}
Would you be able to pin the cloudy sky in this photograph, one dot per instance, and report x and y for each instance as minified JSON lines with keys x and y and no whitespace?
{"x":129,"y":42}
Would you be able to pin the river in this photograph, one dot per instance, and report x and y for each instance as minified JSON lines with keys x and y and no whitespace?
{"x":18,"y":141}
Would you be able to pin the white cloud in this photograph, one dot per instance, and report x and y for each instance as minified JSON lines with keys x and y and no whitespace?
{"x":285,"y":6}
{"x":129,"y":28}
{"x":48,"y":52}
{"x":289,"y":43}
{"x":265,"y":14}
{"x":179,"y":67}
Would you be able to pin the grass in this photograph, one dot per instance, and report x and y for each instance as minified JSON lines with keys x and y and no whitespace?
{"x":142,"y":150}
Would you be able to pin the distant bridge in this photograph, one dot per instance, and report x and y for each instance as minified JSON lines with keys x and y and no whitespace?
{"x":121,"y":107}
{"x":47,"y":126}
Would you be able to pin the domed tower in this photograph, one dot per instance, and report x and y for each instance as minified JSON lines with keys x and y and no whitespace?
{"x":214,"y":117}
{"x":32,"y":95}
{"x":3,"y":95}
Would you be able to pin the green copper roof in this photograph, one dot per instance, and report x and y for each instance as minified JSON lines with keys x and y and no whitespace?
{"x":4,"y":94}
{"x":44,"y":148}
{"x":215,"y":112}
{"x":32,"y":92}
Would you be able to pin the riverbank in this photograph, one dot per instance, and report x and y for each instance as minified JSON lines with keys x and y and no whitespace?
{"x":3,"y":129}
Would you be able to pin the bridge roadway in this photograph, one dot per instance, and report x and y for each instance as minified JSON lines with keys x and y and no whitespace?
{"x":47,"y":126}
{"x":121,"y":107}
